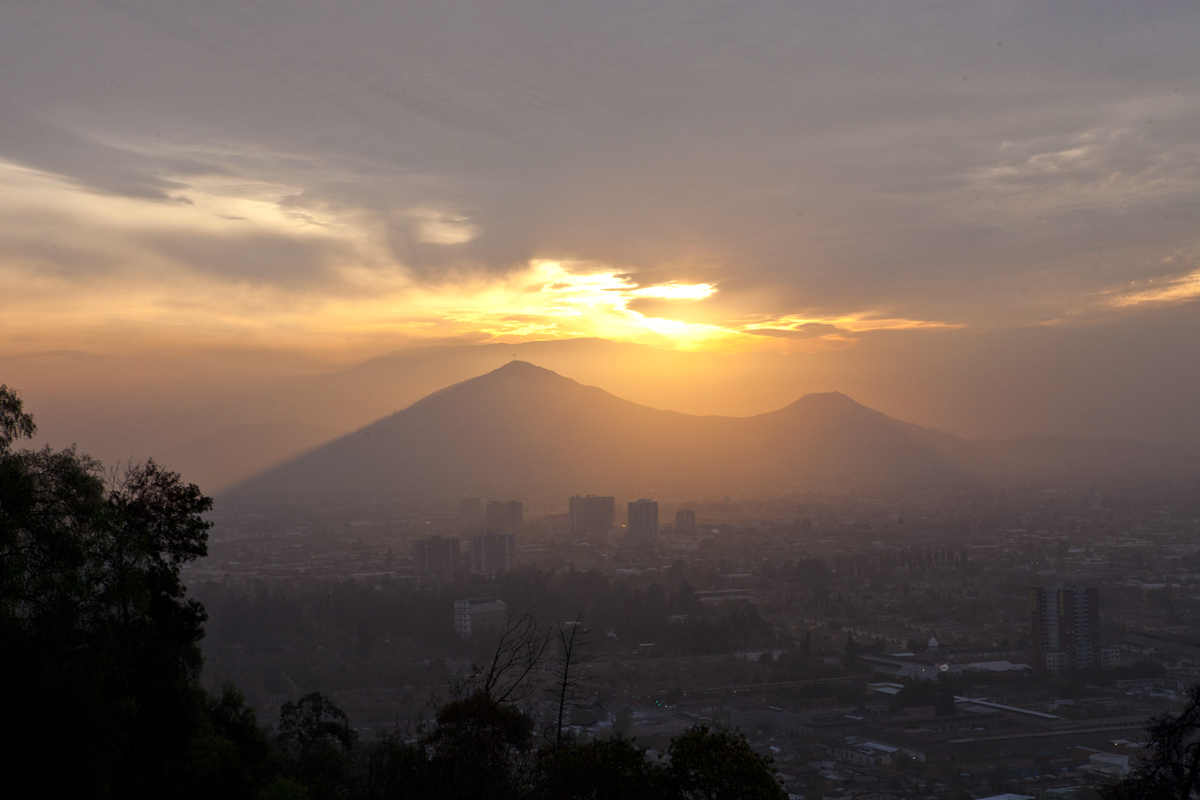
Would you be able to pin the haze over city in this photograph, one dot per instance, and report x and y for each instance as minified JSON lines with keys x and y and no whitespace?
{"x":645,"y":387}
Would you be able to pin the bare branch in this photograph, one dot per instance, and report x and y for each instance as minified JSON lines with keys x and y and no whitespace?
{"x":572,"y":639}
{"x":518,"y":654}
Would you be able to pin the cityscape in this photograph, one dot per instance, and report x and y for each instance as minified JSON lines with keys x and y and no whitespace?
{"x":1010,"y":640}
{"x":560,"y":400}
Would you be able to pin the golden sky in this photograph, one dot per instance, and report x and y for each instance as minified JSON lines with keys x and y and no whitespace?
{"x":219,"y":180}
{"x":137,"y":291}
{"x":88,"y":269}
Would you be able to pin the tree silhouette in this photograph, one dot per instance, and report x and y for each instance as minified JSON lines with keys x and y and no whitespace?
{"x":567,"y":683}
{"x":719,"y":765}
{"x":1172,"y":769}
{"x":14,"y":422}
{"x":94,"y":624}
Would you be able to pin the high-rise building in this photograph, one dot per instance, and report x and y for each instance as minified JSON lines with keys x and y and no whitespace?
{"x":472,"y":518}
{"x":492,"y":552}
{"x":643,"y":522}
{"x":505,"y":517}
{"x":436,"y":556}
{"x":1066,"y":626}
{"x":685,"y":522}
{"x":593,"y":514}
{"x":479,"y":614}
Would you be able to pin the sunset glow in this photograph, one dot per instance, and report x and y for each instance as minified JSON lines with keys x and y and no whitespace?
{"x":365,"y":292}
{"x":939,"y":212}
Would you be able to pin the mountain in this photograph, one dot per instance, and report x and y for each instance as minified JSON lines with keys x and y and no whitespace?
{"x":524,"y":431}
{"x":990,"y":385}
{"x":225,"y":457}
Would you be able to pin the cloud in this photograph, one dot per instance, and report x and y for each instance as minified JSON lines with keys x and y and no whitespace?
{"x":82,"y":159}
{"x":437,"y":227}
{"x":807,"y":330}
{"x":755,"y":173}
{"x":1176,"y":289}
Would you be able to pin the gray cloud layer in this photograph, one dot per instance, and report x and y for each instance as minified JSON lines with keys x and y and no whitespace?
{"x":991,"y":163}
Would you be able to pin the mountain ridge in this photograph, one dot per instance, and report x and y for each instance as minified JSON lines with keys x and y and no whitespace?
{"x":525,"y":431}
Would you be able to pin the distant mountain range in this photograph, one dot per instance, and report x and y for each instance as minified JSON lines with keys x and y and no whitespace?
{"x":524,"y":431}
{"x":225,"y":457}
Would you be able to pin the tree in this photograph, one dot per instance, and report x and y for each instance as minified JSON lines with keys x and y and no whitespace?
{"x":316,"y":741}
{"x":14,"y":422}
{"x":719,"y":765}
{"x":94,"y":625}
{"x":229,"y":757}
{"x":1172,"y":769}
{"x":396,"y":769}
{"x":481,"y":743}
{"x":567,"y":684}
{"x":480,"y":749}
{"x":606,"y":769}
{"x":315,"y":721}
{"x":518,"y":654}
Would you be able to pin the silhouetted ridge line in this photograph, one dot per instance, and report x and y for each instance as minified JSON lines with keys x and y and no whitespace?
{"x":523,"y":430}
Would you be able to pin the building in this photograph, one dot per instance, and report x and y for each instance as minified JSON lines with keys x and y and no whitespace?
{"x":1066,"y":626}
{"x":592,"y":515}
{"x":750,"y":714}
{"x":492,"y":552}
{"x":479,"y":614}
{"x":436,"y":556}
{"x":1111,"y":764}
{"x":505,"y":517}
{"x":472,"y":518}
{"x":865,"y":754}
{"x":643,"y":522}
{"x":685,"y":522}
{"x":1110,"y":657}
{"x":1163,"y":646}
{"x":908,"y":666}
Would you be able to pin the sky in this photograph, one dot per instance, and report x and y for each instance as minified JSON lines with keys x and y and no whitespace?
{"x":275,"y":186}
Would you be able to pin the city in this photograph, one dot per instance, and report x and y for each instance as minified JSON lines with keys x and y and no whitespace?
{"x":1015,"y":640}
{"x":569,"y":400}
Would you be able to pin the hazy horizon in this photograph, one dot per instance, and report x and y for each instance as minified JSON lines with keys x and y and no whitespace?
{"x":219,"y":430}
{"x":135,"y":412}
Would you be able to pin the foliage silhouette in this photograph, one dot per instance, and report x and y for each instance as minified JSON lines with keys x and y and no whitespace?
{"x":719,"y":765}
{"x":94,"y":623}
{"x":1172,"y":770}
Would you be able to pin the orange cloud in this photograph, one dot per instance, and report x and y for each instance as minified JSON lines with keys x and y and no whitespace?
{"x":238,"y":260}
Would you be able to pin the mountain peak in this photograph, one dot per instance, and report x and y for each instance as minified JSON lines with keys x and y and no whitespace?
{"x":528,"y":367}
{"x":518,"y":372}
{"x":521,"y":373}
{"x":525,"y":431}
